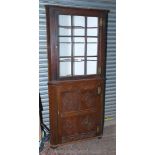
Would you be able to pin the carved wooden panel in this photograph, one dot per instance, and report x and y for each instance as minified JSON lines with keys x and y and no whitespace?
{"x":69,"y":126}
{"x":79,"y":110}
{"x":79,"y":99}
{"x":87,"y":122}
{"x":70,"y":101}
{"x":89,"y":98}
{"x":79,"y":123}
{"x":79,"y":106}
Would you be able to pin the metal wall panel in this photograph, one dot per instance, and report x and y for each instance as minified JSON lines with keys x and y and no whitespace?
{"x":110,"y":94}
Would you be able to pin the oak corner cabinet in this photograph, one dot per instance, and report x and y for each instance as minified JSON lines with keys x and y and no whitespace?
{"x":76,"y":40}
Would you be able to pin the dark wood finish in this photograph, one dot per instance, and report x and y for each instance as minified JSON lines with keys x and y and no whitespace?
{"x":78,"y":108}
{"x":76,"y":103}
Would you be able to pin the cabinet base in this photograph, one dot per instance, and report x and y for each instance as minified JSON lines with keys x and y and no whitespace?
{"x":86,"y":139}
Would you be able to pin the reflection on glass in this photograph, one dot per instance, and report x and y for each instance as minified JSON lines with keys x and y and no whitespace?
{"x":92,"y":26}
{"x":65,"y":67}
{"x":91,"y":65}
{"x":78,"y":66}
{"x":78,"y":32}
{"x":64,"y":31}
{"x":65,"y":49}
{"x":79,"y":49}
{"x":92,"y":32}
{"x":92,"y":21}
{"x":65,"y":39}
{"x":79,"y":39}
{"x":92,"y":40}
{"x":91,"y":49}
{"x":64,"y":20}
{"x":79,"y":21}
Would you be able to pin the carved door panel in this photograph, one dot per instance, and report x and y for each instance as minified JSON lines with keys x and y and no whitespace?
{"x":80,"y":111}
{"x":76,"y":69}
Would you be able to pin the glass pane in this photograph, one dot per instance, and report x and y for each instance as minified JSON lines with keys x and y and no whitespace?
{"x":64,"y":20}
{"x":65,"y":49}
{"x":91,"y":65}
{"x":92,"y":40}
{"x":78,"y":66}
{"x":92,"y":21}
{"x":79,"y":32}
{"x":79,"y":49}
{"x":79,"y":39}
{"x":65,"y":39}
{"x":92,"y":31}
{"x":64,"y":31}
{"x":91,"y":49}
{"x":79,"y":21}
{"x":65,"y":67}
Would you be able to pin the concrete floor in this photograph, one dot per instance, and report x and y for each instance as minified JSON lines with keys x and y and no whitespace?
{"x":104,"y":146}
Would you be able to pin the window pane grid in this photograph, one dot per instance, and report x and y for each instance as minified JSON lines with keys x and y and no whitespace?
{"x":78,"y":45}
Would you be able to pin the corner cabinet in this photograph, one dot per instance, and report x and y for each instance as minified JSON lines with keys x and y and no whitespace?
{"x":76,"y":72}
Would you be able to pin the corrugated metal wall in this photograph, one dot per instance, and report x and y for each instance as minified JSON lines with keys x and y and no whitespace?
{"x":110,"y":98}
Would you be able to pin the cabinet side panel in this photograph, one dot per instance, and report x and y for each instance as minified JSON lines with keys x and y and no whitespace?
{"x":53,"y":115}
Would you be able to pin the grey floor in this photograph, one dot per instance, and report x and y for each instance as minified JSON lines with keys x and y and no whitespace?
{"x":104,"y":146}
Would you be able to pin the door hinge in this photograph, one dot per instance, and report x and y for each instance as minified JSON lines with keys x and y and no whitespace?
{"x":99,"y":90}
{"x":99,"y":70}
{"x":97,"y":129}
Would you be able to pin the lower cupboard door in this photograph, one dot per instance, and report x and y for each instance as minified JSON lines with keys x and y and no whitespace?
{"x":80,"y":109}
{"x":80,"y":127}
